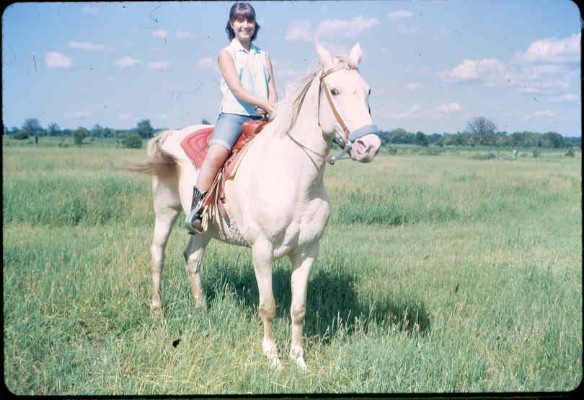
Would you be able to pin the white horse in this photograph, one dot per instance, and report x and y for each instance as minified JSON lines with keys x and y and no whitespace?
{"x":277,"y":203}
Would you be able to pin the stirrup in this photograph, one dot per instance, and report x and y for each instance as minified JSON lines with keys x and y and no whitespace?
{"x":194,"y":220}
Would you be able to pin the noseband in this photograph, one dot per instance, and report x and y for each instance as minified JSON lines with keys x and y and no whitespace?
{"x":345,"y":140}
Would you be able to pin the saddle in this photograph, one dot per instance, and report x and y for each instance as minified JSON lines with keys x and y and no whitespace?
{"x":196,"y":146}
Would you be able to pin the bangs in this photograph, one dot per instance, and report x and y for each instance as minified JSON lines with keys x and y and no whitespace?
{"x":243,"y":13}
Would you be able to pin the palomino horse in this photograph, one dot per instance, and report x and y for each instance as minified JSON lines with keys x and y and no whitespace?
{"x":277,"y":203}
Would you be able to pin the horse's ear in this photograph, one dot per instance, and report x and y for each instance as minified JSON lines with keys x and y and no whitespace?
{"x":325,"y":57}
{"x":356,"y":54}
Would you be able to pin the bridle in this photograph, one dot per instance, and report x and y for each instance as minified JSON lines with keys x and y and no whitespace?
{"x":347,"y":138}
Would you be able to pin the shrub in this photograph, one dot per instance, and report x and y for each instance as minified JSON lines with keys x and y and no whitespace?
{"x":132,"y":142}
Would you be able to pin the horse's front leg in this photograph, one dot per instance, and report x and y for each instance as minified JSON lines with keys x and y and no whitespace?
{"x":262,"y":261}
{"x":193,"y":257}
{"x":302,"y":261}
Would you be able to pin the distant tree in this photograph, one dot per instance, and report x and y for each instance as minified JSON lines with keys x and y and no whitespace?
{"x":97,"y":131}
{"x":401,"y":136}
{"x":450,"y":139}
{"x":554,"y":140}
{"x":53,"y":129}
{"x":14,"y":131}
{"x":133,"y":141}
{"x":31,"y":128}
{"x":109,"y":132}
{"x":79,"y":135}
{"x":144,"y":129}
{"x":420,"y":139}
{"x":204,"y":121}
{"x":483,"y":130}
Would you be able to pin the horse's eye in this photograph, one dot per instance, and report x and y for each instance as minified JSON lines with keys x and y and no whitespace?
{"x":335,"y":91}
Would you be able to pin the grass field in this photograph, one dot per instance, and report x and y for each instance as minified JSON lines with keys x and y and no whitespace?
{"x":439,"y":272}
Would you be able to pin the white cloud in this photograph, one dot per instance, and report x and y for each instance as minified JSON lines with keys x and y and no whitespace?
{"x":400,"y":14}
{"x":79,"y":114}
{"x":553,"y":50}
{"x":87,"y":46}
{"x":541,"y":114}
{"x":414,"y":86}
{"x":299,"y":30}
{"x":126,"y":117}
{"x":90,"y":10}
{"x":160,"y":33}
{"x":447,"y":108}
{"x":54,"y":59}
{"x":345,"y":28}
{"x":542,"y":78}
{"x":545,"y":68}
{"x":183,"y":34}
{"x":329,"y":28}
{"x":410,"y":112}
{"x":159,"y":65}
{"x":126,"y":62}
{"x":206,"y":63}
{"x":565,"y":98}
{"x":490,"y":71}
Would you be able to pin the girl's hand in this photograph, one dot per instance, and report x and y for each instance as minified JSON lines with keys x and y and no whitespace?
{"x":267,"y":109}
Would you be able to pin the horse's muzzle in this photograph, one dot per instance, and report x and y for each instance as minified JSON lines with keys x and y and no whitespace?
{"x":366,"y":143}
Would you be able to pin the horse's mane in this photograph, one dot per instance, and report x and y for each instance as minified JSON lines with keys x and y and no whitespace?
{"x":288,"y":109}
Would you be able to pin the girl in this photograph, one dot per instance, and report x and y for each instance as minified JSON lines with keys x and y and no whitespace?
{"x":248,"y":85}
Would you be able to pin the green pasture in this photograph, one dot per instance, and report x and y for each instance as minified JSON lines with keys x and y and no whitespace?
{"x":440,"y":271}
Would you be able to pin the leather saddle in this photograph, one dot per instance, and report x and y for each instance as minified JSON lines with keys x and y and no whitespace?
{"x":196,"y":146}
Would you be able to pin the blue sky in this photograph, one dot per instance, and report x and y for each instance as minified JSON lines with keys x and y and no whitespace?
{"x":432,"y":65}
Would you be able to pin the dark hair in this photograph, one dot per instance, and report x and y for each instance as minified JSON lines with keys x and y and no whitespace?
{"x":241,"y":10}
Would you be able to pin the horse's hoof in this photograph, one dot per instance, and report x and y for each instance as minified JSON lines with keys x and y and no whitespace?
{"x":276,"y":364}
{"x":201,"y":304}
{"x":297,"y":355}
{"x":301,"y":365}
{"x":156,"y":310}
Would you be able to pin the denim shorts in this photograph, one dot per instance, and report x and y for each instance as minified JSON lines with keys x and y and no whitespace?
{"x":228,"y":129}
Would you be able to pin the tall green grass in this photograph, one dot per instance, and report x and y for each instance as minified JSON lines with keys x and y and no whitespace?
{"x":437,"y":273}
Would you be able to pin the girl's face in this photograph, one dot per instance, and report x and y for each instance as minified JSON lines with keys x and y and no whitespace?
{"x":243,"y":28}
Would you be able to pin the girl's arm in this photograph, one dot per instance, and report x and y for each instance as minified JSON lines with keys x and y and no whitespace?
{"x":230,"y":75}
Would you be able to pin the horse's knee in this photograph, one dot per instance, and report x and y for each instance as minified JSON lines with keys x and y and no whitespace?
{"x":297,"y":314}
{"x":267,"y":310}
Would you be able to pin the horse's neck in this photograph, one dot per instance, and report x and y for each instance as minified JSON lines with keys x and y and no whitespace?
{"x":304,"y":139}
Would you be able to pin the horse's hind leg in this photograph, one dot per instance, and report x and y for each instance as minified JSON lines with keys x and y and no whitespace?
{"x":166,"y":209}
{"x":165,"y":218}
{"x":193,"y":257}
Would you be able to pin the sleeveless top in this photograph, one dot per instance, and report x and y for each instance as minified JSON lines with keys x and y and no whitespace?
{"x":252,"y":70}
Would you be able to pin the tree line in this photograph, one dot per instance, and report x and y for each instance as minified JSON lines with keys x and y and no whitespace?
{"x":479,"y":131}
{"x":32,"y":129}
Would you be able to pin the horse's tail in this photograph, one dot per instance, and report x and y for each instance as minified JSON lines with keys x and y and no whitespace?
{"x":158,"y":162}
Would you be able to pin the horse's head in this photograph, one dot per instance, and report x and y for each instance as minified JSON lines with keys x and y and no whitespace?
{"x":344,"y":104}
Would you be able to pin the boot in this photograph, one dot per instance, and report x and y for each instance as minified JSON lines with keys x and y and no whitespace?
{"x":194,"y":221}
